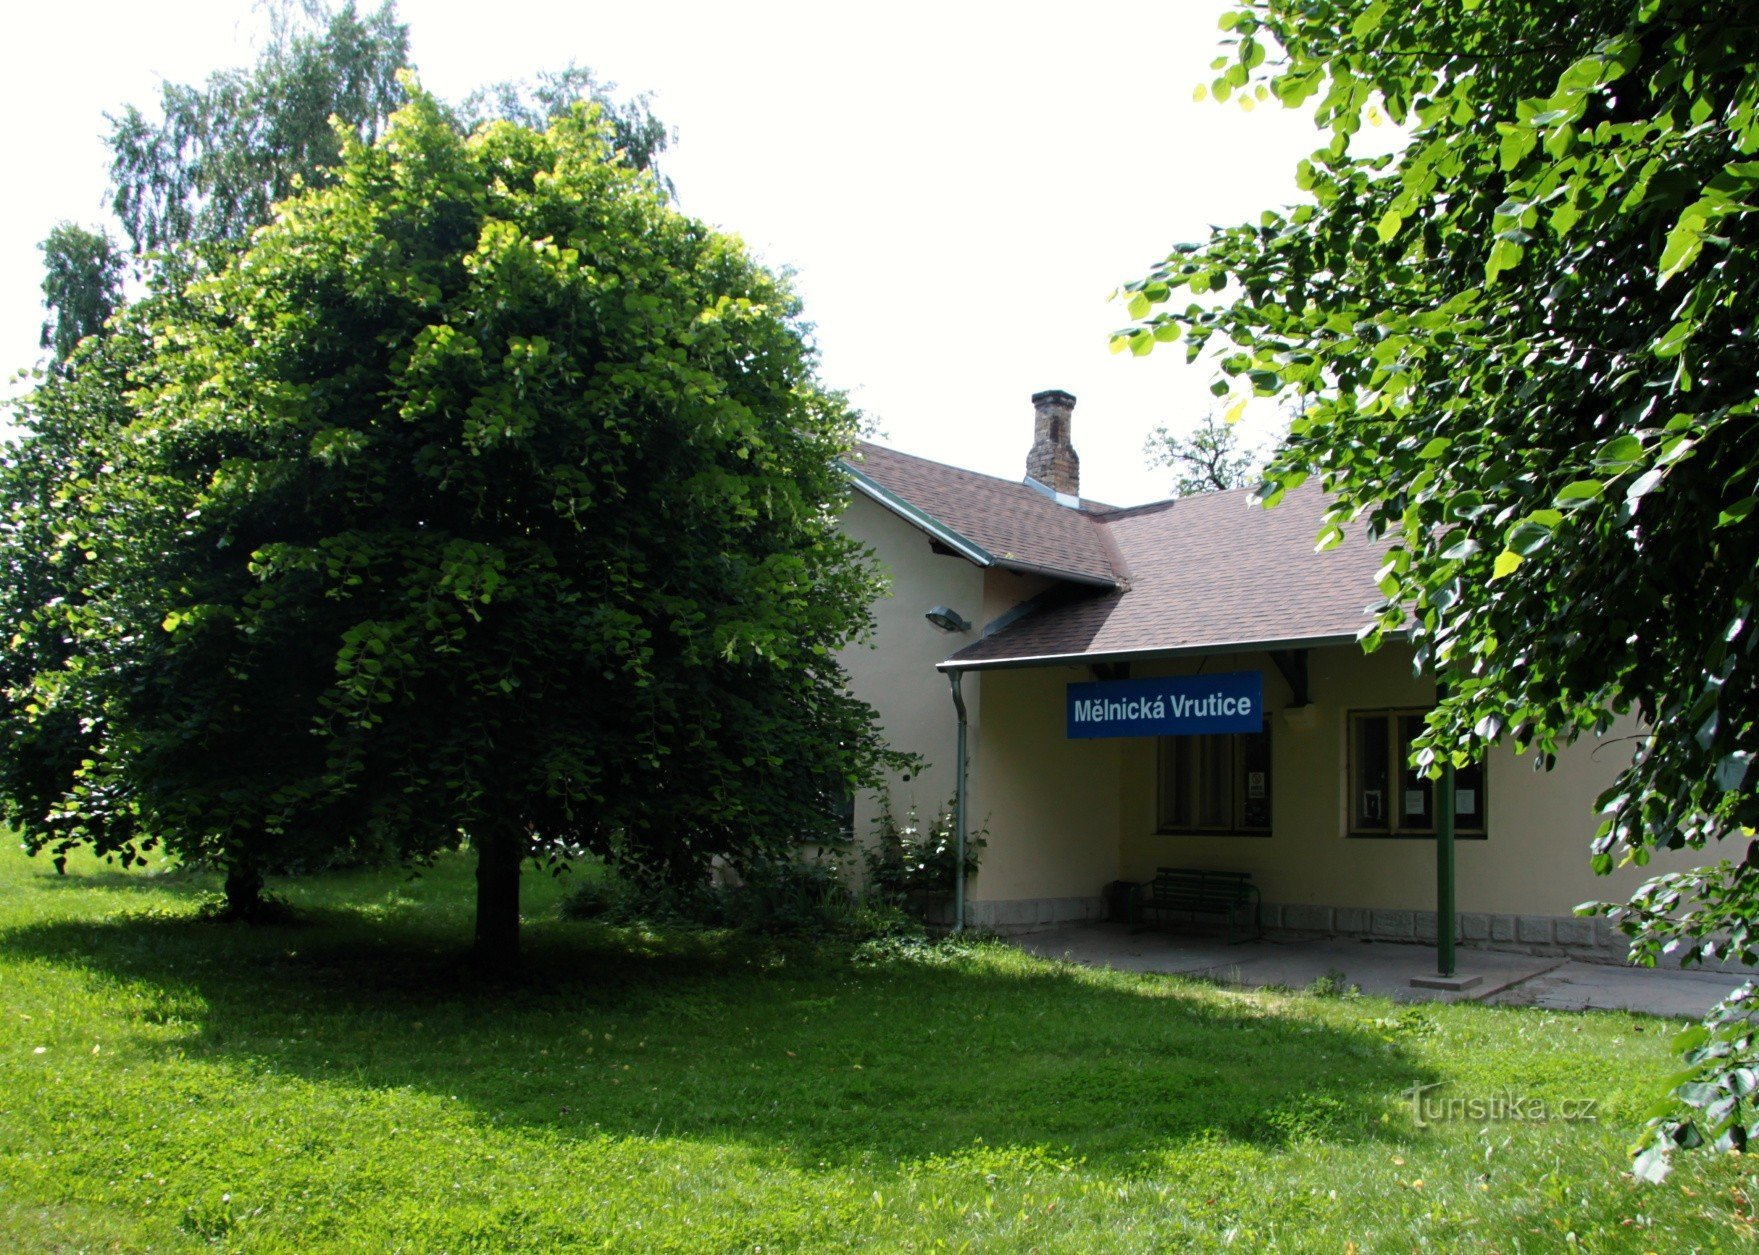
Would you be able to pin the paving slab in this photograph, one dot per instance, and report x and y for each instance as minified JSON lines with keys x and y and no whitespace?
{"x":1386,"y":968}
{"x":1606,"y":987}
{"x":1376,"y":967}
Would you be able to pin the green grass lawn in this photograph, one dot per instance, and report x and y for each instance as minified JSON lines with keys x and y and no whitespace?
{"x":343,"y":1083}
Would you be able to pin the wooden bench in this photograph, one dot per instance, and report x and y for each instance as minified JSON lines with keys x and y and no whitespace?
{"x":1192,"y":891}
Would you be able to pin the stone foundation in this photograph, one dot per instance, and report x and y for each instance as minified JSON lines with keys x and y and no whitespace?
{"x":1023,"y":915}
{"x":1590,"y":939}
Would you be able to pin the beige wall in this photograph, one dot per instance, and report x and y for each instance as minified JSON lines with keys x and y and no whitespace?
{"x":1003,"y":590}
{"x":1050,"y":805}
{"x":1063,"y":817}
{"x":895,"y":672}
{"x":1049,"y":835}
{"x":1533,"y":861}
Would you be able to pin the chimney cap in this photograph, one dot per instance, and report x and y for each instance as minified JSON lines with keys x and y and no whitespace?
{"x":1053,"y":396}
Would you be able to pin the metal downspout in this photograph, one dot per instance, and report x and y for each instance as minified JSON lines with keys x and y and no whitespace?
{"x":959,"y":808}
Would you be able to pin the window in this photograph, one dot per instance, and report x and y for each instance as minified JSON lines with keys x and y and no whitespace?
{"x":1215,"y":784}
{"x":1389,"y":797}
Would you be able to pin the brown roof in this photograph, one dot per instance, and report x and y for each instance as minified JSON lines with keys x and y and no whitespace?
{"x":1207,"y":572}
{"x":1013,"y":524}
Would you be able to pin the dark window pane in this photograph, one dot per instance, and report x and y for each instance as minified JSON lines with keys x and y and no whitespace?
{"x":1469,"y":806}
{"x":1175,"y":783}
{"x":1254,"y":787}
{"x":1416,"y":800}
{"x":1372,"y":755}
{"x":1214,"y":783}
{"x":1214,"y":798}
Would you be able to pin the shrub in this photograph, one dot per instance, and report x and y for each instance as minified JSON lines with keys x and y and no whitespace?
{"x":628,"y":892}
{"x":809,"y":896}
{"x":781,"y":896}
{"x":907,"y":859}
{"x":1332,"y":983}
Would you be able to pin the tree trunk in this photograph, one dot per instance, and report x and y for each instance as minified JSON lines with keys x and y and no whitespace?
{"x":500,"y":851}
{"x":244,"y":889}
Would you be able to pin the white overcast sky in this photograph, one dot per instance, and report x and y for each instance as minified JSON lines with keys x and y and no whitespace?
{"x":958,"y":186}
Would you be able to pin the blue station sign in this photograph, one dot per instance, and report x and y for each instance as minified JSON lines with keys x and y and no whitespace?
{"x":1180,"y":705}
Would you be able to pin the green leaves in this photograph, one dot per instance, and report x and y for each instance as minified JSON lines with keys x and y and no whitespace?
{"x":484,"y":492}
{"x":1731,"y":191}
{"x":1505,"y":254}
{"x":1683,"y":245}
{"x":1368,"y":20}
{"x":1528,"y":537}
{"x":1673,"y":342}
{"x":1525,"y":539}
{"x":224,"y":152}
{"x":1620,"y":454}
{"x":1522,"y":351}
{"x":1578,"y":493}
{"x":1737,"y":513}
{"x":82,"y":286}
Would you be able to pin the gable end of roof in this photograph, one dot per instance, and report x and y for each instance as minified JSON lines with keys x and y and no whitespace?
{"x":920,"y":519}
{"x":988,"y":521}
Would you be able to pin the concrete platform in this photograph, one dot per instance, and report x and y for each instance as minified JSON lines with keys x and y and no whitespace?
{"x":1603,"y":987}
{"x":1386,"y":969}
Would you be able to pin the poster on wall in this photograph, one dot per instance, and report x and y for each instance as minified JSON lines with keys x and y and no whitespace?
{"x":1178,"y":705}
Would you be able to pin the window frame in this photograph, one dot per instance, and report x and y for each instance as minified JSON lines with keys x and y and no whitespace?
{"x":1235,"y":773}
{"x":1397,"y":829}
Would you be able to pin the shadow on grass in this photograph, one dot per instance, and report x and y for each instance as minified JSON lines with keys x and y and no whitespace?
{"x":786,"y":1050}
{"x":175,"y":880}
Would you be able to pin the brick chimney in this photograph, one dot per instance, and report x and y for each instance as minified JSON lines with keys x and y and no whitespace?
{"x":1052,"y":461}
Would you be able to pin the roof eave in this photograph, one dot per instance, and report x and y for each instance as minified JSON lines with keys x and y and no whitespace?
{"x":1134,"y":655}
{"x":964,"y":547}
{"x":1072,"y":577}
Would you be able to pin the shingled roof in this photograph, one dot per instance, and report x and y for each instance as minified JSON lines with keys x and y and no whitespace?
{"x":994,"y":522}
{"x":1207,"y":573}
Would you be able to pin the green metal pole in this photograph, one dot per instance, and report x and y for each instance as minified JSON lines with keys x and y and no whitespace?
{"x":959,"y":808}
{"x":1444,"y":871}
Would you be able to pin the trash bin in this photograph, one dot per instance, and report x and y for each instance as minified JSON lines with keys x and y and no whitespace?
{"x":1117,"y":900}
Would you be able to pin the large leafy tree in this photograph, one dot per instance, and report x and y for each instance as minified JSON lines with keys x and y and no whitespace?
{"x":82,"y":285}
{"x":1523,"y":348}
{"x":484,"y":494}
{"x":216,"y":157}
{"x":191,"y":180}
{"x":48,"y":481}
{"x":206,"y":164}
{"x":212,"y":161}
{"x":637,"y":134}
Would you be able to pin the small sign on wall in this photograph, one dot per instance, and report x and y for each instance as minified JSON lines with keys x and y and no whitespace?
{"x":1183,"y":705}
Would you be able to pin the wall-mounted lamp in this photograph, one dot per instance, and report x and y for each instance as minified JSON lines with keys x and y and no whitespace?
{"x":948,"y":619}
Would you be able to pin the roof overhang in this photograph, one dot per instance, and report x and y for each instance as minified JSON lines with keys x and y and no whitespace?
{"x":936,"y":529}
{"x":962,"y":545}
{"x":1141,"y":655}
{"x":1056,"y":573}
